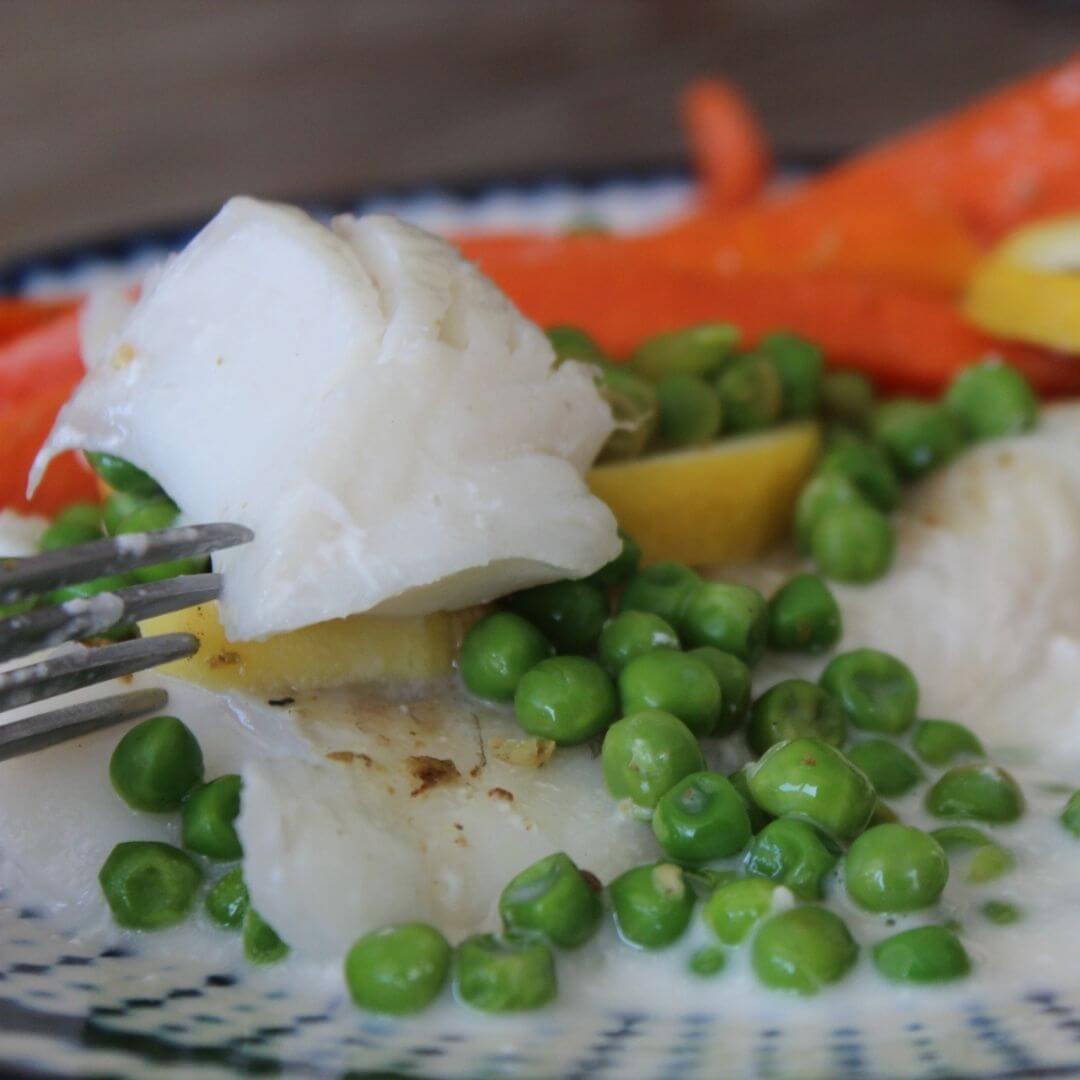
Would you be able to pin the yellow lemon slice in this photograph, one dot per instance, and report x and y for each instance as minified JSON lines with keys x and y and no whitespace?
{"x":723,"y":502}
{"x":362,"y":648}
{"x":1028,"y":288}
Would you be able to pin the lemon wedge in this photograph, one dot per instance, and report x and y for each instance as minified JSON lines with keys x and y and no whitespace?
{"x":360,"y":648}
{"x":724,"y":502}
{"x":1028,"y":288}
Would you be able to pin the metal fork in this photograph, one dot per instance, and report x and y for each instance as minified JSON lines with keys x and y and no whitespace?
{"x":81,"y":618}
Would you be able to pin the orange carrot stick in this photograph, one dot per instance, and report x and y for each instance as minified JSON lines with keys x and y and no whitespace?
{"x":45,"y":357}
{"x":18,"y":316}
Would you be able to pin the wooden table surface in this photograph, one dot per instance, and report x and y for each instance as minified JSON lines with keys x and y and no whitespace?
{"x":120,"y":112}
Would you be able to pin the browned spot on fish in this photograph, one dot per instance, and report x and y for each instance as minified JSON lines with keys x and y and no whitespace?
{"x":461,"y":841}
{"x":475,"y":771}
{"x":123,"y":356}
{"x":430,"y":772}
{"x":528,"y":753}
{"x":127,"y":680}
{"x":459,"y":826}
{"x":224,"y":659}
{"x":501,"y":793}
{"x":347,"y":756}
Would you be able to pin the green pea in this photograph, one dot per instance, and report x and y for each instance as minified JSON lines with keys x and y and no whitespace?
{"x":149,"y":885}
{"x":792,"y":853}
{"x":960,"y":837}
{"x":117,"y":507}
{"x":622,"y":568}
{"x":553,"y":899}
{"x":822,"y":495}
{"x":701,"y":818}
{"x":940,"y":742}
{"x":262,"y":945}
{"x":732,"y":618}
{"x":740,"y":781}
{"x":992,"y":399}
{"x":689,"y":410}
{"x":62,"y":534}
{"x":804,"y":616}
{"x":917,"y":435}
{"x":18,"y":607}
{"x":498,"y":651}
{"x":989,"y":860}
{"x":705,"y":880}
{"x":803,"y":950}
{"x":82,"y":515}
{"x":707,"y":961}
{"x":570,"y":614}
{"x":848,"y":398}
{"x":837,"y":435}
{"x":156,"y":765}
{"x":647,"y":754}
{"x":800,"y":365}
{"x":121,"y":475}
{"x":631,"y":634}
{"x":207,"y":819}
{"x":892,"y":770}
{"x":1001,"y":912}
{"x":504,"y":974}
{"x":1070,"y":816}
{"x":733,"y":676}
{"x":635,"y":406}
{"x":977,"y":792}
{"x":868,"y":469}
{"x":795,"y":709}
{"x":227,"y":902}
{"x":809,"y":779}
{"x":735,"y":909}
{"x":673,"y":682}
{"x":697,"y":350}
{"x":398,"y":969}
{"x":567,"y":699}
{"x":573,"y":343}
{"x":895,"y":868}
{"x":927,"y":954}
{"x":875,"y":690}
{"x":147,"y":517}
{"x":88,"y":588}
{"x":665,"y":589}
{"x":652,"y":905}
{"x":751,"y":393}
{"x":853,"y":543}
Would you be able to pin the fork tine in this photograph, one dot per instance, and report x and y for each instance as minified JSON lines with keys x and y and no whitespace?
{"x":45,"y":627}
{"x":58,"y":725}
{"x":20,"y":578}
{"x":84,"y":667}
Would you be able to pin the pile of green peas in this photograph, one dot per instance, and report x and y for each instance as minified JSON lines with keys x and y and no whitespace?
{"x":158,"y":768}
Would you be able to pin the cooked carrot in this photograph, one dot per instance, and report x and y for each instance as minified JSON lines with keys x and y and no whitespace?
{"x":18,"y":316}
{"x":45,"y":357}
{"x":727,"y":143}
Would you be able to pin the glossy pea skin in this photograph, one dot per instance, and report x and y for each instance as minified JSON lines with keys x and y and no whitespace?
{"x":672,"y":682}
{"x":567,"y":699}
{"x":707,"y":962}
{"x":697,"y":350}
{"x":867,"y":467}
{"x":504,"y":974}
{"x":631,"y":634}
{"x":795,"y":709}
{"x":689,"y":410}
{"x":156,"y":765}
{"x":635,"y":406}
{"x":729,"y":617}
{"x":877,"y":691}
{"x":1001,"y":912}
{"x":149,"y":516}
{"x":891,"y":769}
{"x":665,"y":589}
{"x":1070,"y":816}
{"x":991,"y":400}
{"x":570,"y":614}
{"x":701,"y":818}
{"x":803,"y":950}
{"x":733,"y":677}
{"x":791,"y":853}
{"x":647,"y":754}
{"x":652,"y":905}
{"x":894,"y":868}
{"x":573,"y":343}
{"x":941,"y":742}
{"x":622,"y":568}
{"x":117,"y":507}
{"x":551,"y":898}
{"x":978,"y":793}
{"x":989,"y":860}
{"x":399,"y":969}
{"x":149,"y":885}
{"x":227,"y":901}
{"x":853,"y":543}
{"x":121,"y":475}
{"x":822,"y":494}
{"x":498,"y":651}
{"x":800,"y":365}
{"x":735,"y":909}
{"x":848,"y":398}
{"x":207,"y":819}
{"x":751,"y":393}
{"x":927,"y":954}
{"x":917,"y":436}
{"x":804,"y":616}
{"x":741,"y":783}
{"x":811,"y":780}
{"x":262,"y":945}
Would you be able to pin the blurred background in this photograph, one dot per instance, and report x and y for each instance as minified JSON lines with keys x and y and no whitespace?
{"x":115,"y":113}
